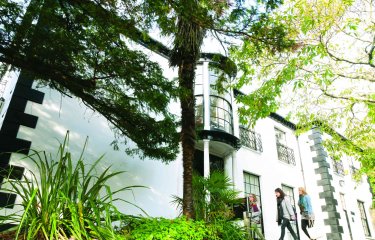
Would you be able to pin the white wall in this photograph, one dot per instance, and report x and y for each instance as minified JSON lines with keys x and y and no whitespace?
{"x":272,"y":172}
{"x":352,"y":191}
{"x":59,"y":113}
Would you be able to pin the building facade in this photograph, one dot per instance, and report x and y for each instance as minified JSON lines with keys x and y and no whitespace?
{"x":257,"y":160}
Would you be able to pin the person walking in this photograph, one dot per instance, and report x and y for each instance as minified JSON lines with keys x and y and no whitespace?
{"x":307,"y":214}
{"x":285,"y":214}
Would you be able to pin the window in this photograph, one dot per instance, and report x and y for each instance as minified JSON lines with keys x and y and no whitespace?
{"x":338,"y":167}
{"x":251,"y":183}
{"x":284,"y":153}
{"x":364,"y":221}
{"x":221,"y":114}
{"x":216,"y":77}
{"x":343,"y":204}
{"x":199,"y":114}
{"x":216,"y":163}
{"x":198,"y":83}
{"x":280,"y":136}
{"x":289,"y":194}
{"x":251,"y":139}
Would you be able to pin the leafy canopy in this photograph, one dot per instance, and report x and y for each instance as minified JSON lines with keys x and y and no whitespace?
{"x":77,"y":48}
{"x":326,"y":79}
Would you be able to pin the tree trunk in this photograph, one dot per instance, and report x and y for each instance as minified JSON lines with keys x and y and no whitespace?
{"x":186,"y":82}
{"x":185,"y":55}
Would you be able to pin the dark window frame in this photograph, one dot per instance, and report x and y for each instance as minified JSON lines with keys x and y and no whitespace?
{"x":287,"y":190}
{"x":216,"y":121}
{"x":284,"y":153}
{"x":199,"y":112}
{"x":256,"y":191}
{"x":364,"y":219}
{"x":251,"y":139}
{"x":277,"y":131}
{"x":338,"y":167}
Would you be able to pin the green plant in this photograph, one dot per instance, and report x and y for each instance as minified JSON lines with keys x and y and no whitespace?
{"x":169,"y":229}
{"x":228,"y":230}
{"x":62,"y":199}
{"x":213,"y":199}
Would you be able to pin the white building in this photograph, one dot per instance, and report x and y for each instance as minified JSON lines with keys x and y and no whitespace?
{"x":258,"y":160}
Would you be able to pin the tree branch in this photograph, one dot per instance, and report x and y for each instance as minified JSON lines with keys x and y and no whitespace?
{"x":40,"y":68}
{"x":365,"y":100}
{"x":334,"y":57}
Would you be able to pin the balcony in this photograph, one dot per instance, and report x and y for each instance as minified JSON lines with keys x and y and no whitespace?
{"x":285,"y":154}
{"x":213,"y":109}
{"x":220,"y":132}
{"x":251,"y":139}
{"x":338,"y":167}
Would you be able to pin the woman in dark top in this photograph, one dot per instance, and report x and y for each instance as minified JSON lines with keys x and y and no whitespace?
{"x":285,"y":213}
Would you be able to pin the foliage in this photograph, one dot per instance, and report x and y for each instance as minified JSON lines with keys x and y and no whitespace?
{"x":326,"y":79}
{"x":182,"y":228}
{"x":64,"y":198}
{"x":77,"y":47}
{"x":213,"y":198}
{"x":163,"y":229}
{"x":231,"y":230}
{"x":188,"y":23}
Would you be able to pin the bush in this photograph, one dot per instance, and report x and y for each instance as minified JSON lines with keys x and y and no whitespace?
{"x":64,"y":198}
{"x":213,"y":199}
{"x":169,"y":229}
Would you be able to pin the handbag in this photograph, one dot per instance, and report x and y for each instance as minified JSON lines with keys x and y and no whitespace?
{"x":310,"y":223}
{"x":310,"y":219}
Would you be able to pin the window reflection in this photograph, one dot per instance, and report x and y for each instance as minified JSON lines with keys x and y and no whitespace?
{"x":220,"y":107}
{"x":199,"y":120}
{"x":198,"y":87}
{"x":221,"y":114}
{"x":213,"y":78}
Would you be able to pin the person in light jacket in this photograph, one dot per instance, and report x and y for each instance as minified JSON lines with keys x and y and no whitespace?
{"x":285,"y":214}
{"x":307,"y":215}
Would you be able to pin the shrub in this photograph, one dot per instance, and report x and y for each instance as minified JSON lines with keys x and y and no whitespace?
{"x":62,"y":199}
{"x":213,"y":199}
{"x":169,"y":229}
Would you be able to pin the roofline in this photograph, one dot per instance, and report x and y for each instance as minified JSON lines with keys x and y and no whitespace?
{"x":283,"y":121}
{"x":275,"y":116}
{"x":224,"y":63}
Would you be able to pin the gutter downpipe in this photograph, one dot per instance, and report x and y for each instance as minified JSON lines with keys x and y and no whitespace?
{"x":300,"y":160}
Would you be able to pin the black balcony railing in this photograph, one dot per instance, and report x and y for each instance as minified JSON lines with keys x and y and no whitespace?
{"x":338,"y":167}
{"x":251,"y":139}
{"x":285,"y":154}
